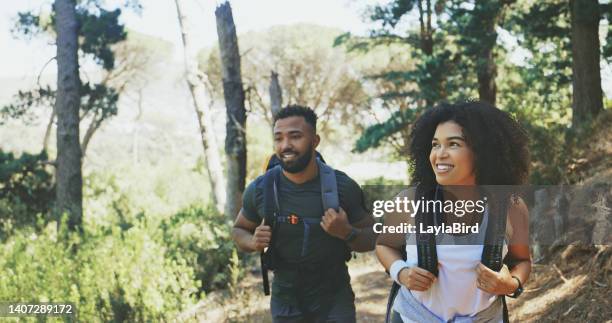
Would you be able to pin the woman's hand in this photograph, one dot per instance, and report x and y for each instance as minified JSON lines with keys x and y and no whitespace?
{"x":497,"y":283}
{"x":416,"y":278}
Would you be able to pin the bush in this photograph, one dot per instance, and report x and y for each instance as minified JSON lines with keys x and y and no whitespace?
{"x":202,"y":237}
{"x":109,"y":277}
{"x":26,"y":190}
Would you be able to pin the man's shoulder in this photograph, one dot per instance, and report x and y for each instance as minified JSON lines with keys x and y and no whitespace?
{"x":255,"y":186}
{"x":344,"y":179}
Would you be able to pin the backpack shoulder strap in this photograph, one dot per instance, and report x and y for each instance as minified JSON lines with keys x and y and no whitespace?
{"x":495,"y":234}
{"x":427,"y":253}
{"x":271,"y":209}
{"x":329,"y":187}
{"x":270,"y":195}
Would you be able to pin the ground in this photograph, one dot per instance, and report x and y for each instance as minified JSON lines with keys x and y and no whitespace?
{"x":573,"y":286}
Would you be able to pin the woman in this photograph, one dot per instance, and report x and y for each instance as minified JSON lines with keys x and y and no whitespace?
{"x":455,"y":150}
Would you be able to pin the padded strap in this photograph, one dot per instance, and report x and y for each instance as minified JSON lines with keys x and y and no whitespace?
{"x":329,"y":187}
{"x":495,"y":234}
{"x":426,"y":242}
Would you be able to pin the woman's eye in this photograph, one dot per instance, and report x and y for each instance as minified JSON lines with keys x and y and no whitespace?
{"x":455,"y":144}
{"x":435,"y":145}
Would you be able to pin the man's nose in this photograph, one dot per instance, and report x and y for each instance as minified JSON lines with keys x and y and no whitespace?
{"x":285,"y":144}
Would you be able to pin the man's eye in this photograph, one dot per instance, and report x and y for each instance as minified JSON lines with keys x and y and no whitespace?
{"x":277,"y":139}
{"x":296,"y":137}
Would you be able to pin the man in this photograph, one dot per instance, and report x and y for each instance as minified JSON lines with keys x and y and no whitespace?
{"x":311,"y":281}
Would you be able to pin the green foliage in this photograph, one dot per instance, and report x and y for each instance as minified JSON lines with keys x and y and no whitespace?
{"x":24,"y":101}
{"x":100,"y":30}
{"x":26,"y":189}
{"x":201,"y":237}
{"x":373,"y":135}
{"x":109,"y":276}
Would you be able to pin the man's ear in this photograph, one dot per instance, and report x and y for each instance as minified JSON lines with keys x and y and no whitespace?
{"x":317,"y":140}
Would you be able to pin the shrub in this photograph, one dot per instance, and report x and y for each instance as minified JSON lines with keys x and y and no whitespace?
{"x":109,"y":276}
{"x":202,"y":237}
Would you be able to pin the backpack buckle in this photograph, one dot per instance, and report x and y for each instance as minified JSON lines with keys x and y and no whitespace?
{"x":293,"y":219}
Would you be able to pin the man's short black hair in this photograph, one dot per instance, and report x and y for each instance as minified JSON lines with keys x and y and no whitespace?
{"x":298,"y":111}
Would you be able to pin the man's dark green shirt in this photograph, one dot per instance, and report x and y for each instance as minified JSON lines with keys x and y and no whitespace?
{"x":304,"y":200}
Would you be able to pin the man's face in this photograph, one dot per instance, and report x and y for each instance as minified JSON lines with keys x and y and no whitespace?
{"x":294,"y":143}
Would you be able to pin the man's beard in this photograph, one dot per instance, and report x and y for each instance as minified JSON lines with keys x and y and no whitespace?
{"x":297,"y":165}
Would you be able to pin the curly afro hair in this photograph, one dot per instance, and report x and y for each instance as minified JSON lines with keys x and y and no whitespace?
{"x":499,"y":143}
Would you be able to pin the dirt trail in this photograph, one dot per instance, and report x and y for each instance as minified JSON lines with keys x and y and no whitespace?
{"x":561,"y":291}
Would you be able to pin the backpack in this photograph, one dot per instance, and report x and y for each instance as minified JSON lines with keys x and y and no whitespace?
{"x":271,"y":180}
{"x":427,"y":252}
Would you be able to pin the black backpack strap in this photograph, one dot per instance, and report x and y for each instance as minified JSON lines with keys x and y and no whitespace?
{"x":495,"y":233}
{"x":506,"y":317}
{"x":271,"y":211}
{"x":426,"y":242}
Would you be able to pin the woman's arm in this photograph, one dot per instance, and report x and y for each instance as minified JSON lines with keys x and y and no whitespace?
{"x":502,"y":282}
{"x":388,"y":251}
{"x":518,"y":250}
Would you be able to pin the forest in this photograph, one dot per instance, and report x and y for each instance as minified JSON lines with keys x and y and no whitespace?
{"x":124,"y":159}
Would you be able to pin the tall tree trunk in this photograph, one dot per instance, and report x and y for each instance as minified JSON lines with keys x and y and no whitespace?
{"x":276,"y":94}
{"x":486,"y":15}
{"x":235,"y":138}
{"x":69,"y":177}
{"x":587,"y":99}
{"x":203,"y":111}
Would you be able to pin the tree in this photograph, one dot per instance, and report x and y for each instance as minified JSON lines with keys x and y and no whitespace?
{"x":235,"y":136}
{"x":276,"y":94}
{"x":436,"y":70}
{"x":587,"y":99}
{"x":98,"y":31}
{"x":69,"y":177}
{"x":475,"y":29}
{"x":564,"y":35}
{"x":203,"y":111}
{"x":309,"y":70}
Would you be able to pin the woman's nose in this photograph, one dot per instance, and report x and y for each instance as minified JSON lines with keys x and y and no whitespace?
{"x":441,"y":152}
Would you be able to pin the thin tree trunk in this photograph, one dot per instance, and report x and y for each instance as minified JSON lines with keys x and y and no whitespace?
{"x":587,"y":99}
{"x":49,"y":129}
{"x":93,"y":126}
{"x":276,"y":94}
{"x":203,"y":112}
{"x":69,"y":177}
{"x":233,"y":92}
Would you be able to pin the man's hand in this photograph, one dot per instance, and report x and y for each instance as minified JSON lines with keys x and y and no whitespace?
{"x":416,"y":278}
{"x":336,"y":223}
{"x":261,"y":237}
{"x":497,"y":283}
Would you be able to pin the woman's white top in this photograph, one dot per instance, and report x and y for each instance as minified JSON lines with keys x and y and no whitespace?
{"x":454,"y":293}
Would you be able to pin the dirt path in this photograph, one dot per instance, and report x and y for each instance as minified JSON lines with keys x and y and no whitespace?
{"x":554,"y":293}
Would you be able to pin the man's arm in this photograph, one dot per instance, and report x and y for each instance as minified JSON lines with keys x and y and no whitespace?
{"x":249,"y":236}
{"x":337,"y":225}
{"x":366,"y":237}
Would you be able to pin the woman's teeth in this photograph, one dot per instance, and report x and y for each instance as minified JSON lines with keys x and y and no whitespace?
{"x":444,"y":167}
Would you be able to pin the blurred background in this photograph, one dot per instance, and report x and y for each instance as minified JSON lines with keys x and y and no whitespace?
{"x":139,"y":230}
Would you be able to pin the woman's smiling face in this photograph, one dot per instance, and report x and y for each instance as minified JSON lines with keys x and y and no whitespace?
{"x":452,"y":160}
